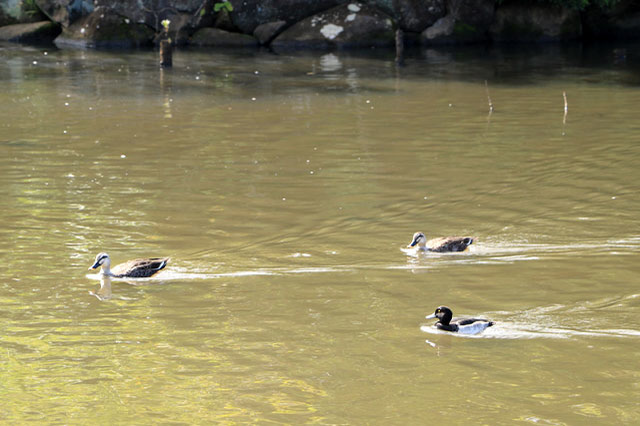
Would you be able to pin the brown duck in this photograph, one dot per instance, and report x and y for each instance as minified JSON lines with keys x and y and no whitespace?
{"x":440,"y":245}
{"x":137,"y":268}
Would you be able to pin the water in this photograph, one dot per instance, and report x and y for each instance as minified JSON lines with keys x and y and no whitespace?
{"x":285,"y":189}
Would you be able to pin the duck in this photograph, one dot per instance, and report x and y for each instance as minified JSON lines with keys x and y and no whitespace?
{"x":446,"y":322}
{"x":440,"y":245}
{"x":137,"y":268}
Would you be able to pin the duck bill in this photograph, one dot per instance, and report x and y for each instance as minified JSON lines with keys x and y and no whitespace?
{"x":94,"y":266}
{"x":413,"y":243}
{"x":430,"y":316}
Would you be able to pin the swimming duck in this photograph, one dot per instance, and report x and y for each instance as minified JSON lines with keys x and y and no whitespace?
{"x":458,"y":325}
{"x":137,"y":268}
{"x":440,"y":245}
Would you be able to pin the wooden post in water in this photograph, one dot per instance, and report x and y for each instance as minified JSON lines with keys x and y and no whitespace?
{"x":399,"y":47}
{"x":166,"y":53}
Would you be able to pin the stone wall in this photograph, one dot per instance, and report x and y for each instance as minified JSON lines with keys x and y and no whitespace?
{"x":327,"y":23}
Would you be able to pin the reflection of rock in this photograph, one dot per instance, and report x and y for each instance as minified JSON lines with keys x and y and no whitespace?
{"x":535,"y":22}
{"x":350,"y":25}
{"x":105,"y":29}
{"x":38,"y":32}
{"x":215,"y":37}
{"x":330,"y":63}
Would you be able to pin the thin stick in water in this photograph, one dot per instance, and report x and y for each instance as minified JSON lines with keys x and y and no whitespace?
{"x":399,"y":47}
{"x":486,"y":86}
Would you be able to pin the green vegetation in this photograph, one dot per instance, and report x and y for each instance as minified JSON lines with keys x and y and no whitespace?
{"x":28,"y":8}
{"x":226,"y":5}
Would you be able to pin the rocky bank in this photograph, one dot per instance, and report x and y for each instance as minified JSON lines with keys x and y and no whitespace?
{"x":320,"y":24}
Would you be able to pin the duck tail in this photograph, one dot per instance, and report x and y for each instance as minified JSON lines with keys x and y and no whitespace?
{"x":491,"y":323}
{"x":163,"y":264}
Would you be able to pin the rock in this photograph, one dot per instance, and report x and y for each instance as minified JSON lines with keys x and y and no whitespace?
{"x":621,"y":21}
{"x":6,"y":19}
{"x":214,"y":37}
{"x":248,"y":14}
{"x":65,"y":12}
{"x":412,"y":15}
{"x":104,"y":29}
{"x":441,"y":30}
{"x":37,"y":32}
{"x":349,"y":25}
{"x":19,"y":12}
{"x":467,"y":22}
{"x":535,"y":22}
{"x":267,"y":32}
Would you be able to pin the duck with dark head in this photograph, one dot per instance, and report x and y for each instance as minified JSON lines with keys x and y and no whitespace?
{"x":446,"y":322}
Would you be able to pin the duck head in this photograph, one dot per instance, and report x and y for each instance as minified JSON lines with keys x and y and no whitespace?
{"x":443,"y":314}
{"x":418,"y":239}
{"x":102,"y":259}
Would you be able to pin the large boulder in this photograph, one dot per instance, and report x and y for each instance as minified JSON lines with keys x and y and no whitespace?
{"x":105,"y":29}
{"x":468,"y":21}
{"x":248,"y":14}
{"x":185,"y":15}
{"x":349,"y":25}
{"x":214,"y":37}
{"x":267,"y":32}
{"x":535,"y":22}
{"x":19,"y":12}
{"x":6,"y":17}
{"x":621,"y":21}
{"x":36,"y":32}
{"x":412,"y":15}
{"x":65,"y":12}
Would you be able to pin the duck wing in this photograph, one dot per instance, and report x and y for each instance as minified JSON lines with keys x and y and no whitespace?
{"x":472,"y":325}
{"x":140,"y":268}
{"x":447,"y":244}
{"x":467,"y":321}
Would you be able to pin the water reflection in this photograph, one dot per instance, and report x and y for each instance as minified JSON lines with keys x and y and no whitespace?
{"x":330,"y":63}
{"x":289,"y":294}
{"x":104,"y":292}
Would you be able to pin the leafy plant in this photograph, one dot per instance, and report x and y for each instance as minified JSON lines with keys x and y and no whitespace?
{"x":226,"y":5}
{"x":29,"y":7}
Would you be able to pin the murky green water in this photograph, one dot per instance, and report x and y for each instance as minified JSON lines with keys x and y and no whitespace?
{"x":285,"y":188}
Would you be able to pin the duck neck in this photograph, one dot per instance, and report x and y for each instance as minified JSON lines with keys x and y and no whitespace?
{"x":106,"y":269}
{"x":447,"y":326}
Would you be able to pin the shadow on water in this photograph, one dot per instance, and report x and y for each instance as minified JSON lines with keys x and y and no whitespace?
{"x":334,"y":71}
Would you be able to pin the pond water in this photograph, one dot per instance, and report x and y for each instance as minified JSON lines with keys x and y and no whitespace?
{"x":285,"y":188}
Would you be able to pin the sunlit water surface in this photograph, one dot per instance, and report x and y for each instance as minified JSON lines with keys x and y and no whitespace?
{"x":285,"y":189}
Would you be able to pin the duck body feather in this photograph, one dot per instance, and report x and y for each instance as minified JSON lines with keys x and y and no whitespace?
{"x":440,"y":245}
{"x":449,"y":244}
{"x":140,"y":268}
{"x":137,"y":268}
